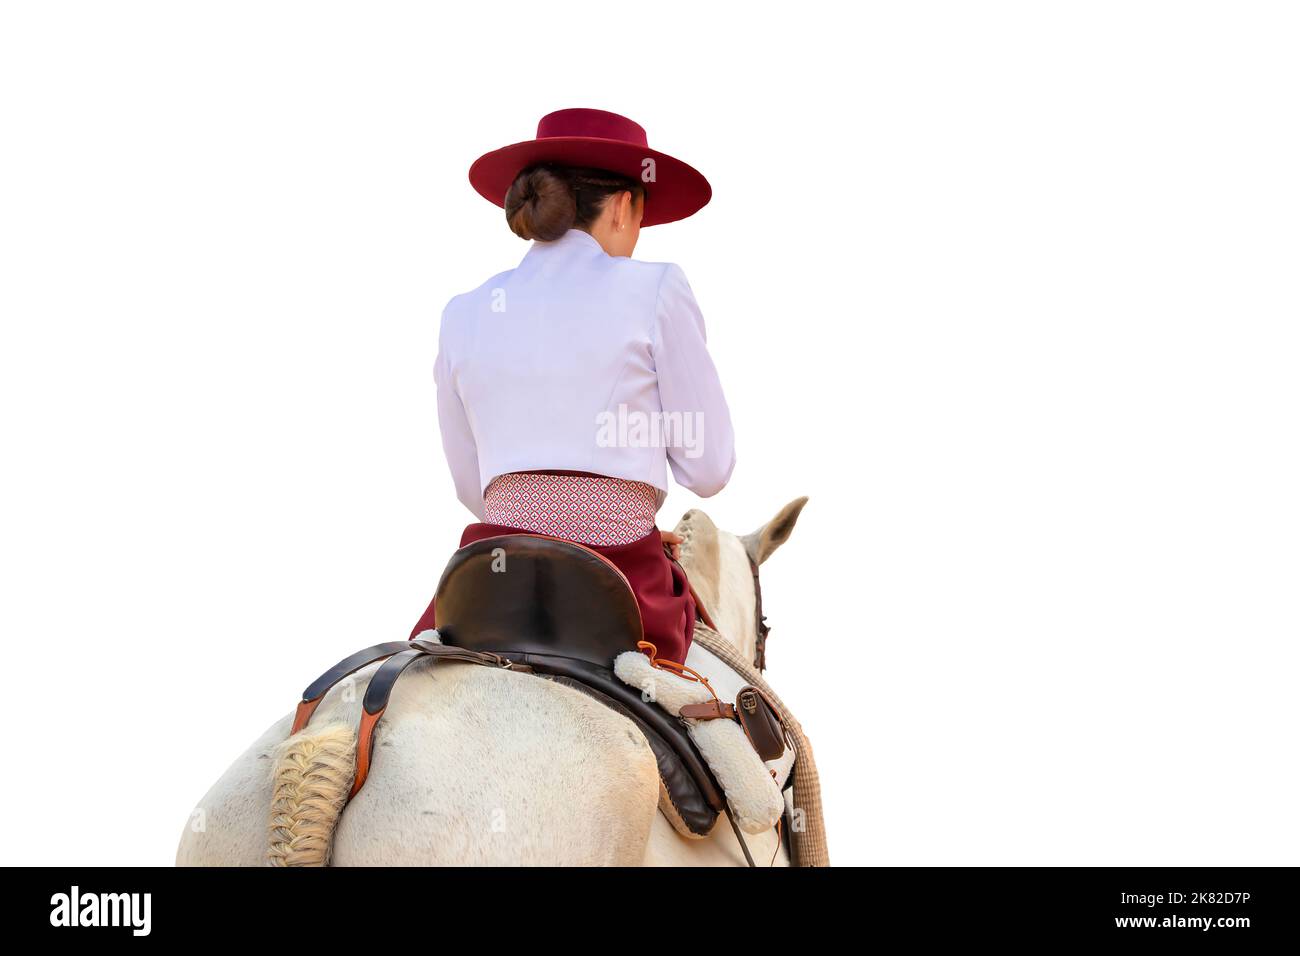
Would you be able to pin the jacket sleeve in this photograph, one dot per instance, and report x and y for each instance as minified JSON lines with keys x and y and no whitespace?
{"x":457,"y":437}
{"x":701,"y":449}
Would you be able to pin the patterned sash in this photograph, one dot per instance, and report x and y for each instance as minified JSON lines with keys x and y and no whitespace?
{"x":589,"y":509}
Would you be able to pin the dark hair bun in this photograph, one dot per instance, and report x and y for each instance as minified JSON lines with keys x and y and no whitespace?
{"x":540,"y":205}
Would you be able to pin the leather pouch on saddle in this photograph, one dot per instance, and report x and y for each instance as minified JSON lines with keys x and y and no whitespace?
{"x":756,"y":716}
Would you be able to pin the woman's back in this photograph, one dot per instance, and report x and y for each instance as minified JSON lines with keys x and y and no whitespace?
{"x":578,"y":360}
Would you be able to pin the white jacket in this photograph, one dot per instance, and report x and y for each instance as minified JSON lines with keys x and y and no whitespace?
{"x":580,"y":361}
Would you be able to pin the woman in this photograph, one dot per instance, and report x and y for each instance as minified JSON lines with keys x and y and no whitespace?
{"x":569,"y":385}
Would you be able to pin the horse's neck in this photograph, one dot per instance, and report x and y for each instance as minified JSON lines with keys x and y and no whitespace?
{"x":733,"y":613}
{"x":719,"y":570}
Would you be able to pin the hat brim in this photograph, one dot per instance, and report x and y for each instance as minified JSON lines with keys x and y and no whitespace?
{"x":677,"y":191}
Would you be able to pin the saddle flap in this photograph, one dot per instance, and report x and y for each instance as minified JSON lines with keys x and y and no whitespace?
{"x":531,"y":594}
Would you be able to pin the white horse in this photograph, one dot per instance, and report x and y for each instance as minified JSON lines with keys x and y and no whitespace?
{"x":481,"y":766}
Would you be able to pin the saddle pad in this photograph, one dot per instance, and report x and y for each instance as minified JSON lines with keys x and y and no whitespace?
{"x":728,"y":683}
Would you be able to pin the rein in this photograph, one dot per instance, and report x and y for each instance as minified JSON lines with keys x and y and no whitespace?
{"x":761,"y":631}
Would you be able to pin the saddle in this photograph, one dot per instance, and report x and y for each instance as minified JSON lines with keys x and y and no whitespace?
{"x":544,"y":606}
{"x":528,"y":594}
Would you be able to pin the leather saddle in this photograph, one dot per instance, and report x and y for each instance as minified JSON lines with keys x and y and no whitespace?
{"x":548,"y":607}
{"x":528,"y":594}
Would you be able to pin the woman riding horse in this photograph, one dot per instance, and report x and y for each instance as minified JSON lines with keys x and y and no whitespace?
{"x":567,"y":388}
{"x":568,"y":385}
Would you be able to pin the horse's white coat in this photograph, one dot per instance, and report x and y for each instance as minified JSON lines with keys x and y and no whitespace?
{"x":480,"y":766}
{"x":476,"y":766}
{"x":472,"y":766}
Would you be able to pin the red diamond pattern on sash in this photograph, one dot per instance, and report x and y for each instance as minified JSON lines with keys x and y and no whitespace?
{"x":589,"y":509}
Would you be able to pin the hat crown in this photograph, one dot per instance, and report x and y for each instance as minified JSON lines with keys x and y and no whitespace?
{"x":599,"y":124}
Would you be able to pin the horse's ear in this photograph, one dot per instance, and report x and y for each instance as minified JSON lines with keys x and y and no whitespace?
{"x":761,"y":543}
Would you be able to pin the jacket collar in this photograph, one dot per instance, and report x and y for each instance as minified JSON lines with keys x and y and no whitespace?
{"x":577,"y":236}
{"x":574,"y":239}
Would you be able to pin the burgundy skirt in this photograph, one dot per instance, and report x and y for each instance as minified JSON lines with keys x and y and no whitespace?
{"x":659,"y":583}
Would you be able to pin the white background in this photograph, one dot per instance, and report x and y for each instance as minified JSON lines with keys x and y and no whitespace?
{"x":1009,"y":289}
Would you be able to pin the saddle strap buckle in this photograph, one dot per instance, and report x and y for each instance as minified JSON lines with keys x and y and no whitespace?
{"x":486,"y":658}
{"x":709,"y":710}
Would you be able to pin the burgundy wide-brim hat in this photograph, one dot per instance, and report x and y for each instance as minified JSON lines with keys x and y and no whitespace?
{"x":601,"y":140}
